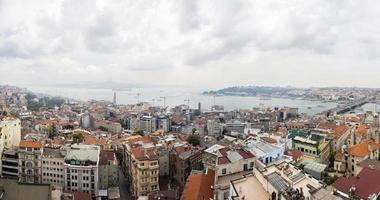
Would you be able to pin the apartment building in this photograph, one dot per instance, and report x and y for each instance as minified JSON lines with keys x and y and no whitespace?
{"x":10,"y":132}
{"x":142,"y":166}
{"x":184,"y":159}
{"x":108,"y":170}
{"x":9,"y":163}
{"x":80,"y":170}
{"x":52,"y":167}
{"x":30,"y":161}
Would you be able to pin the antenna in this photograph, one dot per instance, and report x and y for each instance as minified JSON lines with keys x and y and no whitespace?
{"x":164,"y":98}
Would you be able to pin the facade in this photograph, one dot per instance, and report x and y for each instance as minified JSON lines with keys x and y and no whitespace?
{"x":164,"y":123}
{"x":229,"y":164}
{"x":30,"y":161}
{"x":52,"y":167}
{"x":141,"y":166}
{"x":214,"y":128}
{"x":183,"y":160}
{"x":10,"y":129}
{"x":108,"y":170}
{"x":9,"y":163}
{"x":359,"y":152}
{"x":112,"y":127}
{"x":148,"y":124}
{"x":313,"y":146}
{"x":81,"y":169}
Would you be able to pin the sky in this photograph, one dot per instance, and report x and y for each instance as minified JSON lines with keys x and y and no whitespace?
{"x":193,"y":43}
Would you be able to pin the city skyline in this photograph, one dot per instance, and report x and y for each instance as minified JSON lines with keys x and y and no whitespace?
{"x":202,"y":44}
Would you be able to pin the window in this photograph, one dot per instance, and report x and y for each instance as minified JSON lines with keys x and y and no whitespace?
{"x":224,"y":171}
{"x":251,"y":165}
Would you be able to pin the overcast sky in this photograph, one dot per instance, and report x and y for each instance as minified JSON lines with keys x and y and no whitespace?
{"x":201,"y":43}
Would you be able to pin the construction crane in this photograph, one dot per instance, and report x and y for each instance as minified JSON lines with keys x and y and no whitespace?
{"x":138,"y":96}
{"x":188,"y":102}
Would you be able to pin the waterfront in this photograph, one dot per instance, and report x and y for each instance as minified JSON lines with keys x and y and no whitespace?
{"x":177,"y":96}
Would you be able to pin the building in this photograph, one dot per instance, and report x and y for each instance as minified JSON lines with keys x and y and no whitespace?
{"x":30,"y":161}
{"x":108,"y":170}
{"x":10,"y":129}
{"x":10,"y":189}
{"x":148,"y":124}
{"x":9,"y":163}
{"x":112,"y":127}
{"x":141,"y":166}
{"x":184,"y":159}
{"x":359,"y":152}
{"x":365,"y":185}
{"x":313,"y":146}
{"x":228,"y":164}
{"x":52,"y":167}
{"x":199,"y":186}
{"x":10,"y":134}
{"x":164,"y":123}
{"x":214,"y":128}
{"x":81,"y":169}
{"x":265,"y":152}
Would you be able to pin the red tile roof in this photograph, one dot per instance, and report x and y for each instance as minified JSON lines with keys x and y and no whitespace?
{"x":339,"y":131}
{"x":296,"y":154}
{"x":30,"y":144}
{"x":362,"y":130}
{"x":199,"y":186}
{"x":366,"y":183}
{"x":144,"y":154}
{"x":362,"y":149}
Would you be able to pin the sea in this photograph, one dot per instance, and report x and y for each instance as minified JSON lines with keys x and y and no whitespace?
{"x":172,"y":97}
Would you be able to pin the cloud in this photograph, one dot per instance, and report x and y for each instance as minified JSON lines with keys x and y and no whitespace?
{"x":220,"y":42}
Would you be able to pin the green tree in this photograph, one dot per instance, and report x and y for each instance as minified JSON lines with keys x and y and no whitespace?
{"x":194,"y":140}
{"x":78,"y":138}
{"x":140,"y":132}
{"x":102,"y":128}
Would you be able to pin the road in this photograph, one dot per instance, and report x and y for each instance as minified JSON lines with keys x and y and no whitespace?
{"x":124,"y":187}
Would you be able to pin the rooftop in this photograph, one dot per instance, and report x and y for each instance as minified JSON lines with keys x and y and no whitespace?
{"x":365,"y":183}
{"x":81,"y":152}
{"x":199,"y":186}
{"x":30,"y":144}
{"x":362,"y":149}
{"x":249,"y":188}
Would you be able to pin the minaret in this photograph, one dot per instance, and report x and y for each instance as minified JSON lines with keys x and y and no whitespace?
{"x":114,"y":98}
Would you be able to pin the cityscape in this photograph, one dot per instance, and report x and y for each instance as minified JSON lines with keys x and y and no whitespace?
{"x":189,"y":100}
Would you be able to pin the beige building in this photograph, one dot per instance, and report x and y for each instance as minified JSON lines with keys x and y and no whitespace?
{"x":142,"y":166}
{"x":10,"y":133}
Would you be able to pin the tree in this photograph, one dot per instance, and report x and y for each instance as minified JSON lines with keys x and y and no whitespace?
{"x":102,"y":128}
{"x":193,"y":131}
{"x":77,"y":138}
{"x":140,"y":132}
{"x":194,"y":140}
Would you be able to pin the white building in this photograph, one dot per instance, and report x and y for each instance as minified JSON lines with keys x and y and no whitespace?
{"x":80,"y":170}
{"x":214,"y":128}
{"x":52,"y":167}
{"x":10,"y":129}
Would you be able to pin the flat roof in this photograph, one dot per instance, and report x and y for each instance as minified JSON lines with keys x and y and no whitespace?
{"x":250,"y":188}
{"x":83,"y":152}
{"x":314,"y":166}
{"x":18,"y":191}
{"x":277,"y":181}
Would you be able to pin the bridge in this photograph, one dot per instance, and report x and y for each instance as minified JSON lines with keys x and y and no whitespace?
{"x":346,"y":108}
